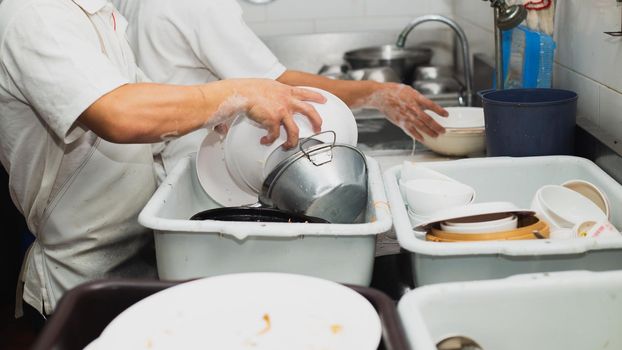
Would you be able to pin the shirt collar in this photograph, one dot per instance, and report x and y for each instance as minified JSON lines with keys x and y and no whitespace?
{"x":91,"y":6}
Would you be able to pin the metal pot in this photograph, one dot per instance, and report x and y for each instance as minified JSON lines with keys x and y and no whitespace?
{"x":328,"y":181}
{"x":402,"y":60}
{"x":247,"y":214}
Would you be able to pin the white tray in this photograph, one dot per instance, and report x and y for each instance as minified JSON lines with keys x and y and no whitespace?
{"x":515,"y":180}
{"x":575,"y":310}
{"x":189,"y":249}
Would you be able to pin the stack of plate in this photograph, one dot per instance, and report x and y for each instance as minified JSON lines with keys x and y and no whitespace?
{"x":484,"y":222}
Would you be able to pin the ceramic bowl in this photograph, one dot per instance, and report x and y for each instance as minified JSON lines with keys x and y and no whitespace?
{"x":427,"y":196}
{"x":567,"y":207}
{"x":464,"y":135}
{"x":590,"y":191}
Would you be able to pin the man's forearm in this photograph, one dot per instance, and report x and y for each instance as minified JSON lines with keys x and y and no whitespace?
{"x":353,"y":93}
{"x":144,"y":113}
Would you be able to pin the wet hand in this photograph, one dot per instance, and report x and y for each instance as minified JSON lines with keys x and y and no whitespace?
{"x":405,"y":107}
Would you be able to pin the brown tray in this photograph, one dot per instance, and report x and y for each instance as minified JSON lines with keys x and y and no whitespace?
{"x":84,"y":312}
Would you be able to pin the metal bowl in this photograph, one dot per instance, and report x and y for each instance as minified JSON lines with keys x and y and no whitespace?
{"x":327,"y":181}
{"x":404,"y":61}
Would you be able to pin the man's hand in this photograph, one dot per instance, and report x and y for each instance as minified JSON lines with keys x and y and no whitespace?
{"x":271,"y":104}
{"x":405,"y":107}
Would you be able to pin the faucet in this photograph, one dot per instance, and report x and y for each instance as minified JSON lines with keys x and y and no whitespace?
{"x":468,"y":76}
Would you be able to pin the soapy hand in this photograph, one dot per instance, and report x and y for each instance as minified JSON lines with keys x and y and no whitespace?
{"x":271,"y":104}
{"x":405,"y":107}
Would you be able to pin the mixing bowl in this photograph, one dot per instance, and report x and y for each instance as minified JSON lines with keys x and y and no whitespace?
{"x":464,"y":135}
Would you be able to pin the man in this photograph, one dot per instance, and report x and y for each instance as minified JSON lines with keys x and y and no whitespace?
{"x":195,"y":41}
{"x":76,"y":118}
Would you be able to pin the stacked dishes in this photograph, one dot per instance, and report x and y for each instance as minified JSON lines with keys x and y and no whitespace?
{"x":485,"y":222}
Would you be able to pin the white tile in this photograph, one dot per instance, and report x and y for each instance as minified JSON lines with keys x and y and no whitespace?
{"x":314,"y":9}
{"x":282,"y":27}
{"x":358,"y":24}
{"x":477,"y":12}
{"x":411,"y":7}
{"x":588,"y":91}
{"x":610,"y":118}
{"x":253,"y":12}
{"x":583,"y":46}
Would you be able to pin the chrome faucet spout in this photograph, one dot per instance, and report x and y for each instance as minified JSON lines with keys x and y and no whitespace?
{"x":464,"y":44}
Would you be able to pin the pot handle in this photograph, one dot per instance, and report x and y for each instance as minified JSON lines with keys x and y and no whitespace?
{"x":319,"y":155}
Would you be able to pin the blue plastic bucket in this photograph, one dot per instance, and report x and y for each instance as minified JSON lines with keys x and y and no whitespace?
{"x":529,"y":122}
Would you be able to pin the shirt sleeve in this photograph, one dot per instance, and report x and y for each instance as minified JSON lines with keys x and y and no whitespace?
{"x":223,"y":42}
{"x":53,"y":58}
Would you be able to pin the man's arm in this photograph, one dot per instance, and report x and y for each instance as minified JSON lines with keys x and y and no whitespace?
{"x":403,"y":105}
{"x":144,"y":113}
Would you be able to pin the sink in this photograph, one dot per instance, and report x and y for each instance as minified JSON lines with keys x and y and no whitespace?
{"x":312,"y":52}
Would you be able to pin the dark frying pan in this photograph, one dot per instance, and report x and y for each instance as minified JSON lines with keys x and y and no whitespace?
{"x":248,"y":214}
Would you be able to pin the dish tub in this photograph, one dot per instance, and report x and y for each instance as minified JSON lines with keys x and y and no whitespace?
{"x":575,"y":310}
{"x":190,"y":249}
{"x":515,"y":180}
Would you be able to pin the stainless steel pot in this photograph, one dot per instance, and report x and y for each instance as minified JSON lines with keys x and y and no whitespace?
{"x":327,"y":181}
{"x":402,"y":60}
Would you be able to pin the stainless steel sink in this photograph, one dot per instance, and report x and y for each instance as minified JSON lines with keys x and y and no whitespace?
{"x":312,"y":52}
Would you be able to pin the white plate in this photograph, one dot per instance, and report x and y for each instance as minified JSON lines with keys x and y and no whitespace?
{"x":248,"y":311}
{"x":216,"y":180}
{"x":473,"y":210}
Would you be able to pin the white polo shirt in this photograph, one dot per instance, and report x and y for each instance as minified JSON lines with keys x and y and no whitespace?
{"x":194,"y":42}
{"x":80,"y":194}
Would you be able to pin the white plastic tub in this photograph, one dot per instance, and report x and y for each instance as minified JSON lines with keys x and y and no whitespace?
{"x":189,"y":249}
{"x":515,"y":180}
{"x":576,"y":310}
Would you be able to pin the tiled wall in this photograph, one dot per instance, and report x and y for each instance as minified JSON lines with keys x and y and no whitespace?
{"x":320,"y":16}
{"x":587,"y":60}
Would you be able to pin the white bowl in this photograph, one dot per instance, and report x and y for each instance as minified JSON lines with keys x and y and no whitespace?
{"x":254,"y":310}
{"x":246,"y":157}
{"x":592,"y":192}
{"x":464,"y":135}
{"x":568,"y":207}
{"x":427,"y":196}
{"x":482,"y":227}
{"x":554,"y":223}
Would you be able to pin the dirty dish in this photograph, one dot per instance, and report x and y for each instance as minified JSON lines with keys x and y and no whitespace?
{"x":500,"y":225}
{"x":427,"y":196}
{"x":474,"y":209}
{"x":567,"y":207}
{"x":464,"y":132}
{"x":215,"y":178}
{"x":530,"y":227}
{"x":246,"y":157}
{"x":253,"y":310}
{"x":596,"y":229}
{"x":591,"y":192}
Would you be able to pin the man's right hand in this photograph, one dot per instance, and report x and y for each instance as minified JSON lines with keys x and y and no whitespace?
{"x":271,"y":104}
